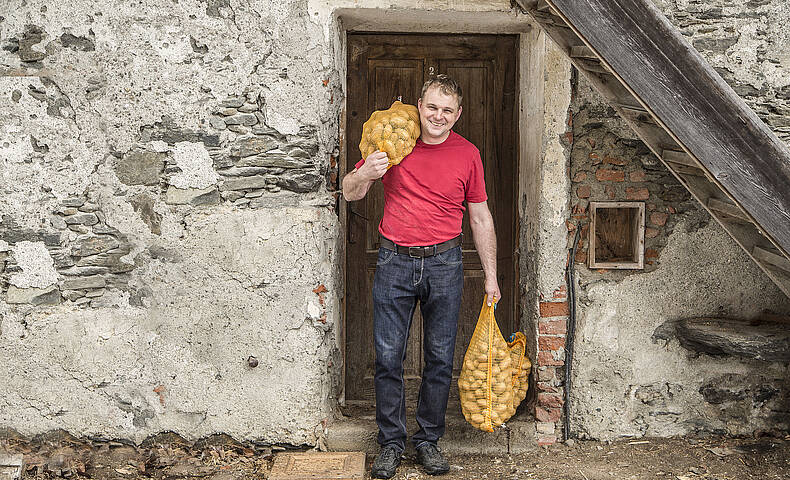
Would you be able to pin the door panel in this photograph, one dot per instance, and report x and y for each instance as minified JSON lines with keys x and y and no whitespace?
{"x":382,"y":69}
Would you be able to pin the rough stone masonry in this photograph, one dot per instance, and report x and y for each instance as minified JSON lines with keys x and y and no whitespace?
{"x":168,"y":210}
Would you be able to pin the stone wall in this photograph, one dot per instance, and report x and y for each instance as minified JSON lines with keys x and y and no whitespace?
{"x":631,"y":377}
{"x":167,"y":178}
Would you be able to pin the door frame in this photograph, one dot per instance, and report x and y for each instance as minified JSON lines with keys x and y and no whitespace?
{"x":530,"y":54}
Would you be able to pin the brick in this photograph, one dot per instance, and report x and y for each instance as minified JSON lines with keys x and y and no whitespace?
{"x":552,"y":327}
{"x":548,"y":414}
{"x":634,"y":193}
{"x":550,"y":400}
{"x":546,"y":374}
{"x":595,"y":158}
{"x":651,"y":233}
{"x":560,"y":293}
{"x":546,"y":440}
{"x":651,"y":253}
{"x":545,"y":428}
{"x":671,"y":209}
{"x":609,"y":175}
{"x":581,"y":256}
{"x":591,"y":141}
{"x":658,"y":218}
{"x":551,"y":343}
{"x":584,"y":191}
{"x":554,"y":309}
{"x":547,"y":387}
{"x":637,"y":176}
{"x":614,"y":161}
{"x":547,"y":359}
{"x":580,"y":177}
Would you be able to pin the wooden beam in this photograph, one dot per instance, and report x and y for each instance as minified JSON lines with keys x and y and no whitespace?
{"x":728,"y":209}
{"x":772,"y":258}
{"x":583,"y":51}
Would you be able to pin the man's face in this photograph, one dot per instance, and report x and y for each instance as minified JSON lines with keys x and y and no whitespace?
{"x":438,"y":114}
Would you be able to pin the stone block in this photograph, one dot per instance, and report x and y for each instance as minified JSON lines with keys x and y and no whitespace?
{"x":244,"y":183}
{"x":545,"y":428}
{"x":192,"y":196}
{"x":247,"y":146}
{"x":87,"y":219}
{"x":33,"y":296}
{"x":140,"y":168}
{"x":83,"y":283}
{"x":92,"y":245}
{"x":247,"y":119}
{"x":300,"y":182}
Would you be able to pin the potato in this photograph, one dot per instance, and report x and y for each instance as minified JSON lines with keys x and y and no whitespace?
{"x":398,"y":122}
{"x":480,"y":374}
{"x":499,"y":387}
{"x":478,"y":418}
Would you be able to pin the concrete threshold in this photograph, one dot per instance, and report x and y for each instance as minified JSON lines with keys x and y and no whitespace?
{"x":358,"y":433}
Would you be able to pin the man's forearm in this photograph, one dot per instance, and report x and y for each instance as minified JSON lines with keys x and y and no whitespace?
{"x":485,"y":241}
{"x":355,"y":187}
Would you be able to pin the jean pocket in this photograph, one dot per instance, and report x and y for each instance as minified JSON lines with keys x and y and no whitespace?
{"x":385,"y":256}
{"x":452,"y":257}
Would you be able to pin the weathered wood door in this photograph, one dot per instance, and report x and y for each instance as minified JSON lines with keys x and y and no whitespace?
{"x":382,"y":69}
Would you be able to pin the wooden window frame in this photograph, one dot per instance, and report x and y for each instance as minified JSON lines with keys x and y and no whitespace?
{"x":638,"y":262}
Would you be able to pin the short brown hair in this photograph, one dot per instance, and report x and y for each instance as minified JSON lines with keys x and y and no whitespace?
{"x":445,"y":83}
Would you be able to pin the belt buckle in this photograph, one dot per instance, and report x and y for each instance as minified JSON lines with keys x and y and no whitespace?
{"x":415,"y":256}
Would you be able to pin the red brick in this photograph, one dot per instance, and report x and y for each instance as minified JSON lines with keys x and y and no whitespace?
{"x":609,"y":175}
{"x":637,"y":176}
{"x":651,"y":233}
{"x":595,"y":158}
{"x":547,"y":387}
{"x":545,"y":359}
{"x":560,"y":292}
{"x":551,"y":400}
{"x":584,"y":191}
{"x":633,"y":193}
{"x":651,"y":253}
{"x":658,"y":218}
{"x":581,"y":256}
{"x":554,"y":309}
{"x":552,"y":327}
{"x":614,"y":161}
{"x":546,"y":440}
{"x":551,"y":343}
{"x":671,"y":209}
{"x":580,"y":177}
{"x":548,"y":414}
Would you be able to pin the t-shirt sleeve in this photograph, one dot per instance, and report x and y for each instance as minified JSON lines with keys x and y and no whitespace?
{"x":359,"y":163}
{"x":476,"y":188}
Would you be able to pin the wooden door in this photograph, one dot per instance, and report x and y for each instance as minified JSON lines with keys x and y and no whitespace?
{"x":382,"y":69}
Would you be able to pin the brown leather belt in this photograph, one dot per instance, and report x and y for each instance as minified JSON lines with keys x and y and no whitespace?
{"x":421,"y":252}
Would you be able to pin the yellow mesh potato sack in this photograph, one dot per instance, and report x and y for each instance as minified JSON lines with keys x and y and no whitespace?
{"x":494,"y":374}
{"x":394,"y":131}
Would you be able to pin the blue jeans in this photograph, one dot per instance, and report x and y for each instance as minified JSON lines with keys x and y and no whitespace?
{"x":400,"y":282}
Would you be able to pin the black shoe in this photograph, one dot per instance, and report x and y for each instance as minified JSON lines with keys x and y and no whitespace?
{"x":386,"y":462}
{"x":429,"y":456}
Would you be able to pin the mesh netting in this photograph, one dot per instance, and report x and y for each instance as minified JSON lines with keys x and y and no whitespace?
{"x":394,"y":131}
{"x":493,"y":379}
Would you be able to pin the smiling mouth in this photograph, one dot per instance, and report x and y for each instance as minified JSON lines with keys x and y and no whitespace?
{"x":437,"y":124}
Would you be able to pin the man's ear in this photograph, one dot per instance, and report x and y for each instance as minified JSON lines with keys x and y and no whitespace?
{"x":419,"y":103}
{"x":460,"y":108}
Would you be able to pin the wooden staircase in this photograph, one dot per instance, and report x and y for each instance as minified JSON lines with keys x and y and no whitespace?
{"x":700,"y":129}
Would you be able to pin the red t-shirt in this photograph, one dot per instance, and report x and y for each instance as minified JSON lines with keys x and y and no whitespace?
{"x":424,"y":194}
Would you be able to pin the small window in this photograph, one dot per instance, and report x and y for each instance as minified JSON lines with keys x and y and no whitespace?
{"x":617,"y":235}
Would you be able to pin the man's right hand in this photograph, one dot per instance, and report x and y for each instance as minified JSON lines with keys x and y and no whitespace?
{"x":375,"y":166}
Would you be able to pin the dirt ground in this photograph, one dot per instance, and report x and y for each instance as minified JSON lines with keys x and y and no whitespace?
{"x":168,"y":457}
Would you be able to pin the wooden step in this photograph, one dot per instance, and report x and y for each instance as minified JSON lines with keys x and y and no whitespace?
{"x":592,"y":65}
{"x":772,"y":257}
{"x":583,"y":51}
{"x":681,"y":158}
{"x":543,"y":6}
{"x":727,"y":208}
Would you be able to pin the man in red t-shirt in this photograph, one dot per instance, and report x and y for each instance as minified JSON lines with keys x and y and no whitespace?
{"x":420,"y":262}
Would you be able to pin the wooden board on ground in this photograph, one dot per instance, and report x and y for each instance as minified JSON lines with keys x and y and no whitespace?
{"x":318,"y":466}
